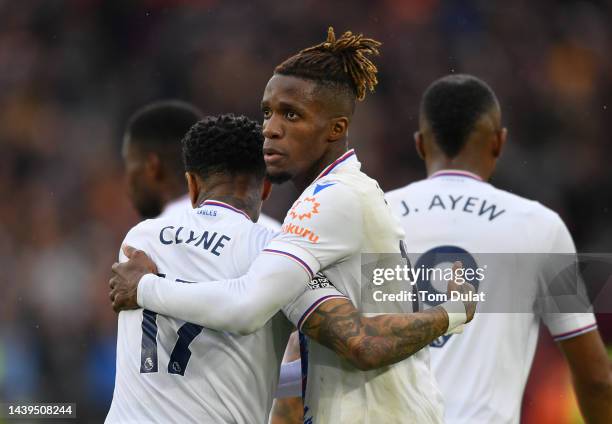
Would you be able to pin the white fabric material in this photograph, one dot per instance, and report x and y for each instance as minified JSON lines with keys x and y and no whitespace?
{"x":269,"y":222}
{"x":290,"y":380}
{"x":177,"y":206}
{"x":241,"y":305}
{"x":338,"y":217}
{"x":456,"y":316}
{"x":483,"y":372}
{"x":226,"y":378}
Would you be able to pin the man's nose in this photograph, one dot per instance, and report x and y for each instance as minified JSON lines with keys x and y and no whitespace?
{"x":272,"y":127}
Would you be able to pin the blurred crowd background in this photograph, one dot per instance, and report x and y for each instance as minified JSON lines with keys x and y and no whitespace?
{"x":71,"y":72}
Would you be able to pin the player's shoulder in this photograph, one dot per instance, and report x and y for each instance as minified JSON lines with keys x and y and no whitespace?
{"x":148,"y":228}
{"x":335,"y":188}
{"x":536,"y":221}
{"x":141,"y":231}
{"x":141,"y":235}
{"x":258,"y":235}
{"x":528,"y":208}
{"x":522,"y":208}
{"x":269,"y":222}
{"x":401,"y":192}
{"x":409,"y":192}
{"x":248,"y":240}
{"x":327,"y":204}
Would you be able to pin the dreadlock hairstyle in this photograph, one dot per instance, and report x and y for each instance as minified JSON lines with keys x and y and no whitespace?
{"x":339,"y":63}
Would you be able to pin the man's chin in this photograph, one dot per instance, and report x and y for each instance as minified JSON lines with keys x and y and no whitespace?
{"x":278,"y":177}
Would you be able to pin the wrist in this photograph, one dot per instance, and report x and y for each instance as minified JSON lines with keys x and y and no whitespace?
{"x":144,"y":283}
{"x":457,"y":316}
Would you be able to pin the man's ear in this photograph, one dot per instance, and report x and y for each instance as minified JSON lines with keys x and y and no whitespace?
{"x":267,"y":190}
{"x":500,"y":140}
{"x":338,"y":128}
{"x":419,"y":144}
{"x":193,"y":187}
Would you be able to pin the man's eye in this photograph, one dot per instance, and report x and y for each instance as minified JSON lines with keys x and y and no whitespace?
{"x":266,"y":113}
{"x":291,"y":116}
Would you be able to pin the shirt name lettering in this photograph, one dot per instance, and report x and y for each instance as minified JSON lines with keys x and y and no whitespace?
{"x":212,"y":242}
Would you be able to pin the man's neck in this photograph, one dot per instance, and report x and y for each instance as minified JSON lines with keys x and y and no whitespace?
{"x":240,"y":199}
{"x":459,"y":165}
{"x":302,"y":181}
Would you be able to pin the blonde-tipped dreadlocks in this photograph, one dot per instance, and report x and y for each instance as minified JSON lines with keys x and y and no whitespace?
{"x":341,"y":61}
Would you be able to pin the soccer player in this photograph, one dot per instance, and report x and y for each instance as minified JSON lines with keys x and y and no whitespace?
{"x":166,"y":368}
{"x":483,"y":373}
{"x":169,"y":370}
{"x":152,"y":156}
{"x":307,"y":107}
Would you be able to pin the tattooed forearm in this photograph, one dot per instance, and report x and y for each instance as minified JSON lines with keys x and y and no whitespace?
{"x":373,"y":342}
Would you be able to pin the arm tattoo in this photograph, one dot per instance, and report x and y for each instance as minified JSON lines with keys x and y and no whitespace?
{"x":373,"y":342}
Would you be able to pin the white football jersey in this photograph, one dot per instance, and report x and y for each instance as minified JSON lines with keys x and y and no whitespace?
{"x":269,"y":223}
{"x":482,"y":372}
{"x":177,"y":206}
{"x":169,"y":370}
{"x":341,"y":215}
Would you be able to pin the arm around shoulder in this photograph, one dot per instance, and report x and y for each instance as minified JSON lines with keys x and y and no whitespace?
{"x":241,"y":305}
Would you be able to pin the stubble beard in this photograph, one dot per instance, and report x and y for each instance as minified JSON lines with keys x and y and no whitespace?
{"x":279,"y":178}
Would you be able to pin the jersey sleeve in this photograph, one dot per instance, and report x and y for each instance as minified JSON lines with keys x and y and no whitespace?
{"x":240,"y":305}
{"x":579,"y":319}
{"x":324,"y":226}
{"x":319,"y":290}
{"x":562,"y":241}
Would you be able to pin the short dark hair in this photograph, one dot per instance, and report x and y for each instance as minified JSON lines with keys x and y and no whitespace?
{"x":341,"y":64}
{"x":452,"y":105}
{"x":159,"y":127}
{"x":224,"y":144}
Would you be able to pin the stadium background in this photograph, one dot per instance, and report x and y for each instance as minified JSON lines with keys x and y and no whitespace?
{"x":72,"y":71}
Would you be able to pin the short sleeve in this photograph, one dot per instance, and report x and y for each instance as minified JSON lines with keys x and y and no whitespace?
{"x":564,"y":326}
{"x":562,"y":241}
{"x":573,"y":316}
{"x":324,"y":226}
{"x":319,"y":290}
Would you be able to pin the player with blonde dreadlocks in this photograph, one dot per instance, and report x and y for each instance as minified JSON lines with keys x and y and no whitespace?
{"x":342,"y":61}
{"x":363,"y":369}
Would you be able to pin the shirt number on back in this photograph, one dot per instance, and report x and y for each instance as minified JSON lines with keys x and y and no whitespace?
{"x":180,"y":353}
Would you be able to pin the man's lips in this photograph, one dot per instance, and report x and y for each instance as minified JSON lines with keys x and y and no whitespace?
{"x":272,"y":155}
